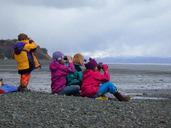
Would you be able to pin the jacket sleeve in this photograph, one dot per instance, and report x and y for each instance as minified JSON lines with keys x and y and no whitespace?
{"x":68,"y":69}
{"x":30,"y":46}
{"x":102,"y":77}
{"x":80,"y":75}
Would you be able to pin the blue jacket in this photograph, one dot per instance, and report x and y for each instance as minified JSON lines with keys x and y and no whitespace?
{"x":8,"y":88}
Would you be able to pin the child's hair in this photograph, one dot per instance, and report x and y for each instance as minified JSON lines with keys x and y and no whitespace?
{"x":78,"y":59}
{"x":22,"y":36}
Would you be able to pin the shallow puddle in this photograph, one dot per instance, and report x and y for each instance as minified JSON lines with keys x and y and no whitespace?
{"x":148,"y":98}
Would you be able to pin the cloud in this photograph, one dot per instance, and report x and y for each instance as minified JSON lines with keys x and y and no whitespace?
{"x":57,"y":3}
{"x":93,"y":27}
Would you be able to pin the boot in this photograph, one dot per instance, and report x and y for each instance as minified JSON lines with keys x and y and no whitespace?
{"x":103,"y":97}
{"x":22,"y":89}
{"x":121,"y":97}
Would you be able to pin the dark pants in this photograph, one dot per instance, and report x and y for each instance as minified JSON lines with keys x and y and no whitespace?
{"x":70,"y":90}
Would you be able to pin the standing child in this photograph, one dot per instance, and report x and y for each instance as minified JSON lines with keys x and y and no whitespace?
{"x":75,"y":79}
{"x":96,"y":84}
{"x":26,"y":59}
{"x":59,"y":72}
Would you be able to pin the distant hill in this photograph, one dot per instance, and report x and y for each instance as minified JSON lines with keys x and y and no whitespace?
{"x":6,"y":50}
{"x":157,"y":60}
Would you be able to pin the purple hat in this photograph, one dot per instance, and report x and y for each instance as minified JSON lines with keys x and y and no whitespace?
{"x":57,"y":55}
{"x":91,"y":64}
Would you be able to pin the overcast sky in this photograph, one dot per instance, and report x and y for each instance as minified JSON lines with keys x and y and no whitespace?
{"x":93,"y":27}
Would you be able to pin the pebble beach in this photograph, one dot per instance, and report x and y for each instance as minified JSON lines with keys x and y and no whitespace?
{"x":44,"y":110}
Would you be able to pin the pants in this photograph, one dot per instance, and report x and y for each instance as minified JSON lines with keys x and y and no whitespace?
{"x":2,"y":91}
{"x":70,"y":90}
{"x":24,"y":80}
{"x":106,"y":87}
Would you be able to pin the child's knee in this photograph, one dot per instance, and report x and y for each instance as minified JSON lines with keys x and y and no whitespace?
{"x":112,"y":88}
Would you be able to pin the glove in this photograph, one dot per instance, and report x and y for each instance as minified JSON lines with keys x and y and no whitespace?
{"x":105,"y":67}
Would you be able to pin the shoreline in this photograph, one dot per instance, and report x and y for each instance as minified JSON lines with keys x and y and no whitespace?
{"x":139,"y":94}
{"x":155,"y":93}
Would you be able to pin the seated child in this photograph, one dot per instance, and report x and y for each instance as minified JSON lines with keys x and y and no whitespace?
{"x":59,"y":72}
{"x":96,"y":84}
{"x":76,"y":77}
{"x":5,"y":88}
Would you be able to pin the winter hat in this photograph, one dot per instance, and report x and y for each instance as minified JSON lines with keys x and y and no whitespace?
{"x":57,"y":55}
{"x":91,"y":64}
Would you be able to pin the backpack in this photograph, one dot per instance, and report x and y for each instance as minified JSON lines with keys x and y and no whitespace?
{"x":18,"y":47}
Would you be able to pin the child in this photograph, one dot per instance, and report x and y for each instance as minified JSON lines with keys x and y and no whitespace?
{"x":96,"y":84}
{"x":59,"y":72}
{"x":26,"y":59}
{"x":5,"y":88}
{"x":76,"y":77}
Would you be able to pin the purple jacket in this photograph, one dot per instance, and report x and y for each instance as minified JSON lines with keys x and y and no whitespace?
{"x":59,"y":73}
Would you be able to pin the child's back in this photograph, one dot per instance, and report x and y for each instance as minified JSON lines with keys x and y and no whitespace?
{"x":58,"y":75}
{"x":91,"y":82}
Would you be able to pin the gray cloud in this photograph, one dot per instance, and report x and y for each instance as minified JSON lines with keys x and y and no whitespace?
{"x":105,"y":28}
{"x":57,"y":3}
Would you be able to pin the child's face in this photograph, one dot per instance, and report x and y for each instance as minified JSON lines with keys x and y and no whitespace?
{"x":1,"y":83}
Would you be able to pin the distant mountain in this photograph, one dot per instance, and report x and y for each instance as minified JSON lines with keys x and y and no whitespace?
{"x":161,"y":60}
{"x":6,"y":50}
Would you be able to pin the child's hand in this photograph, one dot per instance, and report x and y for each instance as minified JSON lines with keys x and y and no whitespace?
{"x":105,"y":67}
{"x":30,"y":40}
{"x":69,"y":59}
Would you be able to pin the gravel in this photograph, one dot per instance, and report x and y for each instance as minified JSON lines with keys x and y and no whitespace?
{"x":44,"y":110}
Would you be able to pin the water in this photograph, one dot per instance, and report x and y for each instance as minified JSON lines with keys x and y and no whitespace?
{"x":125,"y":76}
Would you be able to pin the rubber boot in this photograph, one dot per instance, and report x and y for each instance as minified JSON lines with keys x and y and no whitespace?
{"x":121,"y":97}
{"x":20,"y":89}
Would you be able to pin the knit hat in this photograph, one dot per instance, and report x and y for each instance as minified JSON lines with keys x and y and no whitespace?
{"x":91,"y":64}
{"x":57,"y":55}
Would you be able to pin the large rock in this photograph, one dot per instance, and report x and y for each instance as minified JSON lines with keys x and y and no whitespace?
{"x":6,"y":50}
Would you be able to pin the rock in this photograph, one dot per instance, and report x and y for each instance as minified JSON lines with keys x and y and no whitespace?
{"x":6,"y":50}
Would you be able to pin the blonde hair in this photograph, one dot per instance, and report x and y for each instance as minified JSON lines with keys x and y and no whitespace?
{"x":78,"y":59}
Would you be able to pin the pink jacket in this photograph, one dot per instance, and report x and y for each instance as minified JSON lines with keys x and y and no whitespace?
{"x":91,"y":82}
{"x":58,"y":75}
